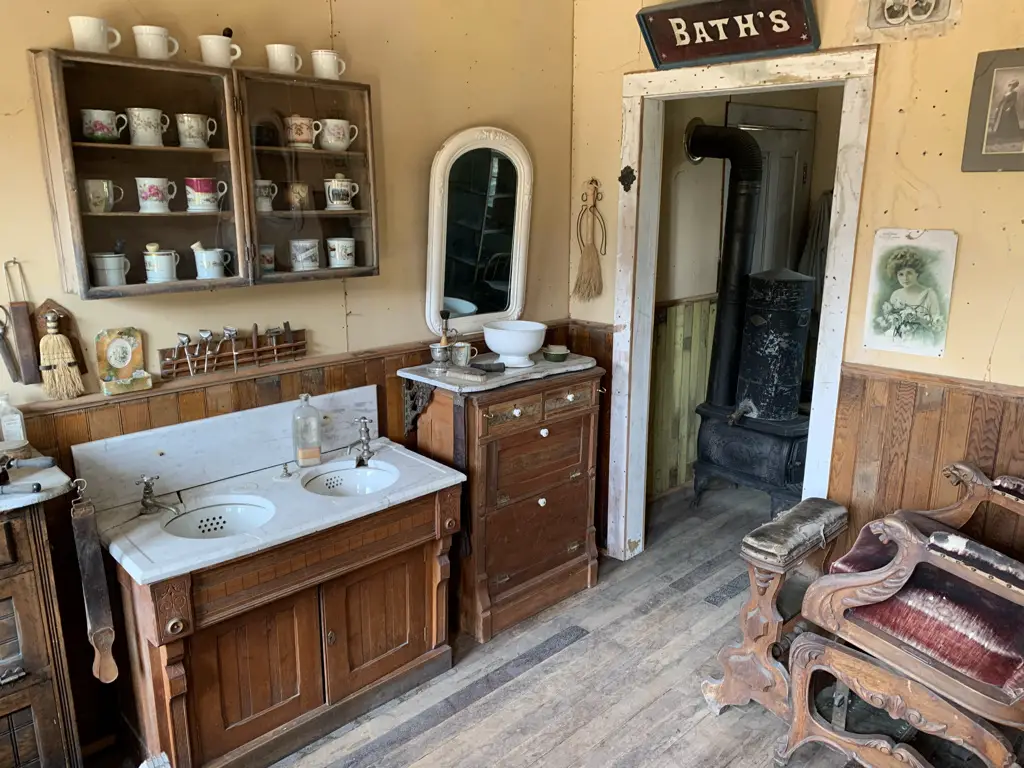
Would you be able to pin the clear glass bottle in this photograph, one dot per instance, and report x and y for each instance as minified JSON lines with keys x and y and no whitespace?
{"x":306,"y":433}
{"x":12,"y":423}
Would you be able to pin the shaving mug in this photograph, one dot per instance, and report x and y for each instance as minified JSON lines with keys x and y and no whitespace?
{"x":155,"y":194}
{"x":283,"y":58}
{"x":462,"y":352}
{"x":154,"y":42}
{"x":102,"y":124}
{"x":195,"y":130}
{"x":90,"y":33}
{"x":301,"y":132}
{"x":340,"y":192}
{"x":218,"y":50}
{"x":162,"y":266}
{"x":341,"y":252}
{"x":204,"y":194}
{"x":266,"y":191}
{"x":210,"y":262}
{"x":297,"y":195}
{"x":147,"y":126}
{"x":108,"y":269}
{"x":100,"y":195}
{"x":268,"y":258}
{"x":327,"y":65}
{"x":305,"y":255}
{"x":337,"y":135}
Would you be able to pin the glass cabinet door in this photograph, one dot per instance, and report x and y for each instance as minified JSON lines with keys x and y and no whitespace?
{"x":158,"y":200}
{"x":311,"y":167}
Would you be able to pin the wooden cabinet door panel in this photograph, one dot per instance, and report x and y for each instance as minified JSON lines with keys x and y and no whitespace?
{"x":256,"y":672}
{"x":531,"y":537}
{"x":22,"y":645}
{"x":542,"y":457}
{"x":29,"y":734}
{"x":375,"y":622}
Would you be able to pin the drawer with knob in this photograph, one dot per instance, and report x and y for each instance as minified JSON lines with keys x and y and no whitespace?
{"x":527,"y":462}
{"x":507,"y":417}
{"x":565,"y":400}
{"x":530,"y":537}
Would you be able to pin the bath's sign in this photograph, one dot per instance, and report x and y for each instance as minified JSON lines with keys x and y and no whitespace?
{"x":693,"y":32}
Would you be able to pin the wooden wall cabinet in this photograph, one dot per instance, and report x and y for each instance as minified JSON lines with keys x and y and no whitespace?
{"x":250,"y":143}
{"x":529,"y":451}
{"x":245,"y":662}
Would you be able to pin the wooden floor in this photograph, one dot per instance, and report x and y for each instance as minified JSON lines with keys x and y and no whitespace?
{"x":607,"y":678}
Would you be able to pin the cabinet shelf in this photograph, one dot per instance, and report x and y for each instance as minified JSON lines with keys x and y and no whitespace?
{"x":176,"y":286}
{"x":215,"y":152}
{"x":326,"y":273}
{"x":313,"y":152}
{"x":171,"y":214}
{"x":310,"y":214}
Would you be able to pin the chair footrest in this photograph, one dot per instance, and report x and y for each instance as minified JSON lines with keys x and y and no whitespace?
{"x":790,"y":537}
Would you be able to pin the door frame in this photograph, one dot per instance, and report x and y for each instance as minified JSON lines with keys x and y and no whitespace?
{"x":643,"y":132}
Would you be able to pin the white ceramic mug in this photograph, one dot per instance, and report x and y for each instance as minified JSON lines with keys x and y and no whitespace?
{"x":340,"y":193}
{"x":327,"y":65}
{"x":301,"y":132}
{"x":305,"y":255}
{"x":147,"y":126}
{"x":154,"y":42}
{"x":283,"y":58}
{"x":90,"y":33}
{"x":109,"y":269}
{"x":268,"y":258}
{"x":162,"y":266}
{"x":266,"y":191}
{"x":155,"y":194}
{"x":203,"y":193}
{"x":102,"y":124}
{"x":337,"y":135}
{"x":195,"y":130}
{"x":210,"y":263}
{"x":341,"y":252}
{"x":298,"y":195}
{"x":218,"y":51}
{"x":100,"y":195}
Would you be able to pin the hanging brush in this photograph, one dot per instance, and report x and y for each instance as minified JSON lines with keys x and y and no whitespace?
{"x":61,"y":378}
{"x":589,"y":283}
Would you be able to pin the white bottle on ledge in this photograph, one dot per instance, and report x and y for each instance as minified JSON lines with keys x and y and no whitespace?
{"x":12,"y":423}
{"x":307,"y":436}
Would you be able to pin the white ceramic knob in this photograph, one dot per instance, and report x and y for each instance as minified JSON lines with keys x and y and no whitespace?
{"x":570,"y":397}
{"x":517,"y":412}
{"x":544,"y":432}
{"x":542,"y":502}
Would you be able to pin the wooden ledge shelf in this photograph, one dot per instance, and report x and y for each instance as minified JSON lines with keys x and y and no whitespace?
{"x":178,"y":286}
{"x":90,"y":145}
{"x":319,"y":274}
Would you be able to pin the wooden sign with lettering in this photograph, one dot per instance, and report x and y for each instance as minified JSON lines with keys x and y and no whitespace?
{"x":690,"y":32}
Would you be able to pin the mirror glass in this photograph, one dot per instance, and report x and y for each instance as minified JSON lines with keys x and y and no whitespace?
{"x":481,"y":215}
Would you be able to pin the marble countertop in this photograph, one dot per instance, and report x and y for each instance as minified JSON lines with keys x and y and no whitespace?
{"x":541,"y":370}
{"x":149,"y":554}
{"x":54,"y":482}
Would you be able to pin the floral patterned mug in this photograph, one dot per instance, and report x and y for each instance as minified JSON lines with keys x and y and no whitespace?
{"x":301,"y":132}
{"x":155,"y":194}
{"x":147,"y":126}
{"x":102,"y":125}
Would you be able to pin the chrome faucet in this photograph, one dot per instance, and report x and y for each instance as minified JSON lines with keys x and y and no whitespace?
{"x":150,"y":505}
{"x":365,"y":454}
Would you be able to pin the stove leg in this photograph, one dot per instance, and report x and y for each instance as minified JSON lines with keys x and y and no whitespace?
{"x":700,"y":485}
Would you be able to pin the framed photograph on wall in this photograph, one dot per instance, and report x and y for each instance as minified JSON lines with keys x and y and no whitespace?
{"x":909,"y":293}
{"x":995,"y":122}
{"x":891,"y":21}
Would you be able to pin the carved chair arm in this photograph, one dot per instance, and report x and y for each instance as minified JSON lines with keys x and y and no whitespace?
{"x":1006,"y":491}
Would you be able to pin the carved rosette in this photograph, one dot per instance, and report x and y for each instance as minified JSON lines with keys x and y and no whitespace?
{"x":172,"y":608}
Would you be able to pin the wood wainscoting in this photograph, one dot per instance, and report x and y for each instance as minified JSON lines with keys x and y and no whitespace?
{"x":895,"y":431}
{"x":683,"y":333}
{"x":54,"y":427}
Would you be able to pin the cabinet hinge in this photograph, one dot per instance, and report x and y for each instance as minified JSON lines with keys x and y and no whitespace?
{"x":425,"y":632}
{"x":236,"y":104}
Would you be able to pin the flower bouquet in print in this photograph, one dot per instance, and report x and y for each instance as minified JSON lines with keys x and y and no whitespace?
{"x":102,"y":125}
{"x":155,"y":194}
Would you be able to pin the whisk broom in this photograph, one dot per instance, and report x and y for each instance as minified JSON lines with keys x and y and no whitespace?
{"x":589,"y":283}
{"x":61,"y":378}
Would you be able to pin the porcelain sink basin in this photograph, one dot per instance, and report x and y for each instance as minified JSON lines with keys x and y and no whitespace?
{"x":344,"y":478}
{"x":217,"y":517}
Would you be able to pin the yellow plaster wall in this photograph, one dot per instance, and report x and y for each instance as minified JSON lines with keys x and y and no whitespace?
{"x":912,"y":177}
{"x":435,"y":66}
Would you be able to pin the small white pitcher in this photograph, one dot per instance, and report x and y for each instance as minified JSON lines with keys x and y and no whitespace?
{"x":210,"y":262}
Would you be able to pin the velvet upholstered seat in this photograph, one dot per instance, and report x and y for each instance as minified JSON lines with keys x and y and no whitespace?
{"x":971,"y":630}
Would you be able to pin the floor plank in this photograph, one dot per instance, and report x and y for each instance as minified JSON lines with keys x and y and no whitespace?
{"x":610,"y":677}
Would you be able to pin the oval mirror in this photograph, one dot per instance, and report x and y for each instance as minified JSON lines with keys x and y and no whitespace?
{"x":481,"y":191}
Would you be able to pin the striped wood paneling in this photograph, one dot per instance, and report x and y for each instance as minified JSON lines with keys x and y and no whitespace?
{"x":896,"y":431}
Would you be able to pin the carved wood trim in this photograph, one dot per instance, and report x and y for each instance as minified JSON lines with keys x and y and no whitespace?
{"x":172,"y":608}
{"x":899,"y":697}
{"x":175,"y":689}
{"x":440,"y":567}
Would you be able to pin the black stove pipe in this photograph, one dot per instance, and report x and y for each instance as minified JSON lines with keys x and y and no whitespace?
{"x":742,"y":150}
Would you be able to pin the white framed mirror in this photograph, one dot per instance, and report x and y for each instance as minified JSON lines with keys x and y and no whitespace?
{"x":481,"y":199}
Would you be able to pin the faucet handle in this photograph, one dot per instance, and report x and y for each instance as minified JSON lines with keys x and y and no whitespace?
{"x":147,"y":481}
{"x":362,"y":420}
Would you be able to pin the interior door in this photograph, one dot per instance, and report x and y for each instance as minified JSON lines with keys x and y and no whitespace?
{"x":786,"y":138}
{"x":375,"y":621}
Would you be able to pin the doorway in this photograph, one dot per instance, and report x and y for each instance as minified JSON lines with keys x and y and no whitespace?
{"x":645,"y":99}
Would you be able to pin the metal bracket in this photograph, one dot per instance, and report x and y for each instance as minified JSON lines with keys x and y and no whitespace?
{"x":416,"y":398}
{"x":627,"y":178}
